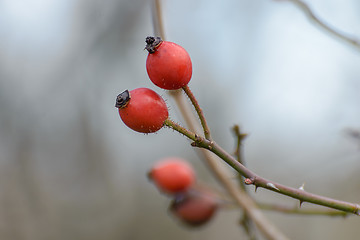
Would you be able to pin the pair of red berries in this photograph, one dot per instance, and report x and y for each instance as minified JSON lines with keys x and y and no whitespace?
{"x":169,"y":67}
{"x":192,"y":205}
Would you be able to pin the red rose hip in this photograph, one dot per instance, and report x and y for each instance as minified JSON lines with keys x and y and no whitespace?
{"x":168,"y":64}
{"x":172,"y":175}
{"x":194,"y":207}
{"x":142,"y":110}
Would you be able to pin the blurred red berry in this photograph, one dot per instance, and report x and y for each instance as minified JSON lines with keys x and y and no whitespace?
{"x":168,"y":64}
{"x":142,"y":110}
{"x":172,"y":175}
{"x":194,"y":207}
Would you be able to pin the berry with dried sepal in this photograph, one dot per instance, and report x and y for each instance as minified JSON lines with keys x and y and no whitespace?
{"x":142,"y":110}
{"x":168,"y":64}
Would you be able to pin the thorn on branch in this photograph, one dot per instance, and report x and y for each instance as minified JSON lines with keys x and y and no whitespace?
{"x":271,"y":185}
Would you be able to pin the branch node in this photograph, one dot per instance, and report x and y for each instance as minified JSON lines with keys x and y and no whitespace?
{"x":211,"y":145}
{"x":248,"y":181}
{"x":197,"y":141}
{"x":302,"y":187}
{"x":357,"y":210}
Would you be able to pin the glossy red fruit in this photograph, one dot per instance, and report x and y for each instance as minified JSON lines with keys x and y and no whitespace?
{"x":172,"y":175}
{"x":194,"y":207}
{"x":142,"y":110}
{"x":168,"y":64}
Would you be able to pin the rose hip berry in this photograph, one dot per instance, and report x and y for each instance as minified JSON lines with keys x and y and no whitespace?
{"x":172,"y":175}
{"x":194,"y":207}
{"x":168,"y":64}
{"x":142,"y":110}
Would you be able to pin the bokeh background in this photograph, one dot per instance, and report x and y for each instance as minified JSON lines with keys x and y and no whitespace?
{"x":70,"y":169}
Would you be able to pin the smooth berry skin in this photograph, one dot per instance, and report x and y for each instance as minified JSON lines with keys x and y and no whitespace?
{"x":145,"y":111}
{"x":194,"y":207}
{"x":169,"y":66}
{"x":172,"y":175}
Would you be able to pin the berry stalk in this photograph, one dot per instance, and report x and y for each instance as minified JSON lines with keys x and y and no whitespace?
{"x":198,"y":110}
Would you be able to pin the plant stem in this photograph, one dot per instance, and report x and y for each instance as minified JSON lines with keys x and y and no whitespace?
{"x":258,"y":181}
{"x":157,"y":19}
{"x":240,"y":196}
{"x":198,"y":111}
{"x":246,"y":221}
{"x":239,"y":139}
{"x":180,"y":129}
{"x":296,"y":210}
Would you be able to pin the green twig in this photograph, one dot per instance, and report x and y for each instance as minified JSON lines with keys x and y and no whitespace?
{"x":169,"y":123}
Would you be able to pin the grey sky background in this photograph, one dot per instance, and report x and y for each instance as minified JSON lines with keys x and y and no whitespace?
{"x":70,"y":169}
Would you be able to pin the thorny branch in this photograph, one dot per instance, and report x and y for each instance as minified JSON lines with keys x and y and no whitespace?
{"x":258,"y":181}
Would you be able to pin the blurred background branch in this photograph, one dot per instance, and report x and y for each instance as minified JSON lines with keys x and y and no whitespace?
{"x":345,"y":38}
{"x":69,"y":169}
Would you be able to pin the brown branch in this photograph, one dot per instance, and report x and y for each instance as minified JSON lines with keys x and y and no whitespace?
{"x":157,"y":19}
{"x":241,"y":198}
{"x":258,"y":181}
{"x":301,"y":211}
{"x":239,"y":139}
